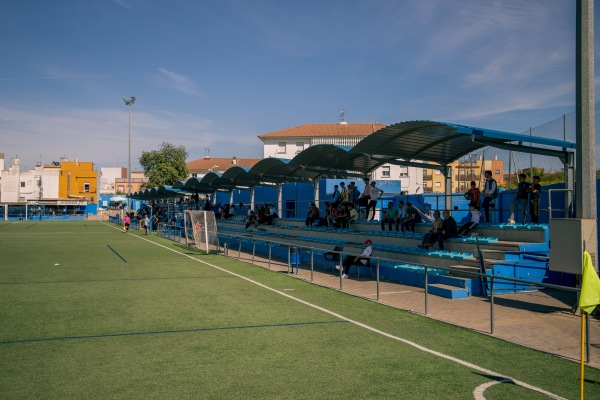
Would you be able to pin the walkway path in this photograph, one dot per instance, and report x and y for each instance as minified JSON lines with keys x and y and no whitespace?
{"x":541,"y":320}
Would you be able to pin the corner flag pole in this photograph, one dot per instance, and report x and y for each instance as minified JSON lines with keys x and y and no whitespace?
{"x":582,"y":359}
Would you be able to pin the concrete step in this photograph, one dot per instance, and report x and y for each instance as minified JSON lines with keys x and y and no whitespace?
{"x":447,"y":291}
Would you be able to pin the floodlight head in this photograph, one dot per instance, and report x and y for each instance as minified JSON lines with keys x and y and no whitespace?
{"x":130,"y":101}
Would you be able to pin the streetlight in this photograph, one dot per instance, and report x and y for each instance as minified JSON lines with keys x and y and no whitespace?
{"x":129,"y":103}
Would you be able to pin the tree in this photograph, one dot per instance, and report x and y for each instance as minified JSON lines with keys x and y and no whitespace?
{"x":164,"y":166}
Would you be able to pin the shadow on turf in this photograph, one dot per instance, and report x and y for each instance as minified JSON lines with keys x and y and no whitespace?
{"x":192,"y":250}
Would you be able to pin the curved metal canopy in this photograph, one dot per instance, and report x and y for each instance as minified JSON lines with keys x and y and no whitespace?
{"x":332,"y":161}
{"x":443,"y":143}
{"x":402,"y":143}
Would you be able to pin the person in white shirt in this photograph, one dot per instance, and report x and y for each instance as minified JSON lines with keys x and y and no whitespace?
{"x":376,"y":193}
{"x":475,"y":219}
{"x":357,"y":260}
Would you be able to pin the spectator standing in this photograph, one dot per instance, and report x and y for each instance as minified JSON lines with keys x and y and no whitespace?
{"x":490,"y":193}
{"x":534,"y":200}
{"x":336,"y":193}
{"x":342,"y":197}
{"x":353,"y":194}
{"x":473,"y":194}
{"x":521,"y":199}
{"x":365,"y":198}
{"x":376,"y":194}
{"x":146,"y":222}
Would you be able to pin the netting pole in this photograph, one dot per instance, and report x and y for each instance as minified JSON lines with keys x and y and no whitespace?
{"x":206,"y":232}
{"x":270,"y":248}
{"x":492,"y":304}
{"x":312,"y":263}
{"x":240,"y":247}
{"x":426,"y":285}
{"x":377,"y":275}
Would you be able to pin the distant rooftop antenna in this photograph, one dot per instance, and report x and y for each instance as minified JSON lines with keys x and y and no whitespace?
{"x":342,"y":112}
{"x":206,"y":153}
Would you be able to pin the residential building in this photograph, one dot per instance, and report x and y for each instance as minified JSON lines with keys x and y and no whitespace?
{"x":78,"y":180}
{"x":108,"y":178}
{"x":66,"y":186}
{"x":463,"y":172}
{"x":200,"y":167}
{"x":138,"y":178}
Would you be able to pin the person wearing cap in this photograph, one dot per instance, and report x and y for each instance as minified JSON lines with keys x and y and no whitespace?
{"x":357,"y":260}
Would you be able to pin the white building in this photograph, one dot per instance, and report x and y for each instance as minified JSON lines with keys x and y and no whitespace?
{"x":108,"y":177}
{"x":288,"y":142}
{"x":21,"y":186}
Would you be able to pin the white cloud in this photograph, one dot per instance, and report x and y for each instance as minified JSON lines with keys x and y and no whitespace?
{"x":181,"y":83}
{"x":123,"y":3}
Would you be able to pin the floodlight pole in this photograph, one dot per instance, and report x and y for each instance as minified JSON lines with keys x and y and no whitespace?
{"x":129,"y":103}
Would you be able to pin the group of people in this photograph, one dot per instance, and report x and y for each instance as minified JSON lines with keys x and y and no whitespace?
{"x":345,"y":205}
{"x":489,"y":194}
{"x":528,"y":196}
{"x":443,"y":229}
{"x":351,"y":196}
{"x":264,"y":214}
{"x":403,"y":217}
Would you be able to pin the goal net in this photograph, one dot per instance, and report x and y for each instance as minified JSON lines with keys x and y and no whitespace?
{"x":201,"y":230}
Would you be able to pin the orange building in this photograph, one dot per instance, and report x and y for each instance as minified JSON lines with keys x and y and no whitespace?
{"x":78,"y":181}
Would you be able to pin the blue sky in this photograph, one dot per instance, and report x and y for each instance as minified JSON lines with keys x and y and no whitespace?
{"x":216,"y":74}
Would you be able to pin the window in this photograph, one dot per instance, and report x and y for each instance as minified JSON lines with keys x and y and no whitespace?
{"x":299,"y":147}
{"x":86,"y":187}
{"x":22,"y":184}
{"x":120,"y":189}
{"x":497,"y":172}
{"x":438,"y":172}
{"x":385,"y":172}
{"x":425,"y":184}
{"x":438,"y":184}
{"x":403,"y":171}
{"x":281,"y":148}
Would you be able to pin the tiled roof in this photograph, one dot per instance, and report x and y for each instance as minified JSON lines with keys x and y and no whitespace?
{"x":220,"y":164}
{"x":325,"y":130}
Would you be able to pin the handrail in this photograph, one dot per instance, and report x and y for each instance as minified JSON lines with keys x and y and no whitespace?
{"x":570,"y":206}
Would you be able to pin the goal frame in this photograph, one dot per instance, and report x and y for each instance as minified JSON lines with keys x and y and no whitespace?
{"x":200,"y":228}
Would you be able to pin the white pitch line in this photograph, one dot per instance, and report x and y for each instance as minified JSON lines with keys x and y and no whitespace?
{"x":479,"y":390}
{"x":370,"y":328}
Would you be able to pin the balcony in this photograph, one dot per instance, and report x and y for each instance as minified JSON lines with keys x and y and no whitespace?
{"x":467,"y":177}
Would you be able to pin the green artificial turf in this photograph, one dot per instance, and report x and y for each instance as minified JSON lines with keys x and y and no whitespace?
{"x":90,"y":312}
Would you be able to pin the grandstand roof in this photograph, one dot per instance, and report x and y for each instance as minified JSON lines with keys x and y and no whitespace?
{"x":402,"y":143}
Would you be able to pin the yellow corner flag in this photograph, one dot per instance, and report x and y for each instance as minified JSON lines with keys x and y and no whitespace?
{"x":590,"y":286}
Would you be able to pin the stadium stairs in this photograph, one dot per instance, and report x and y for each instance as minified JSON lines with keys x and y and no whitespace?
{"x":515,"y":251}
